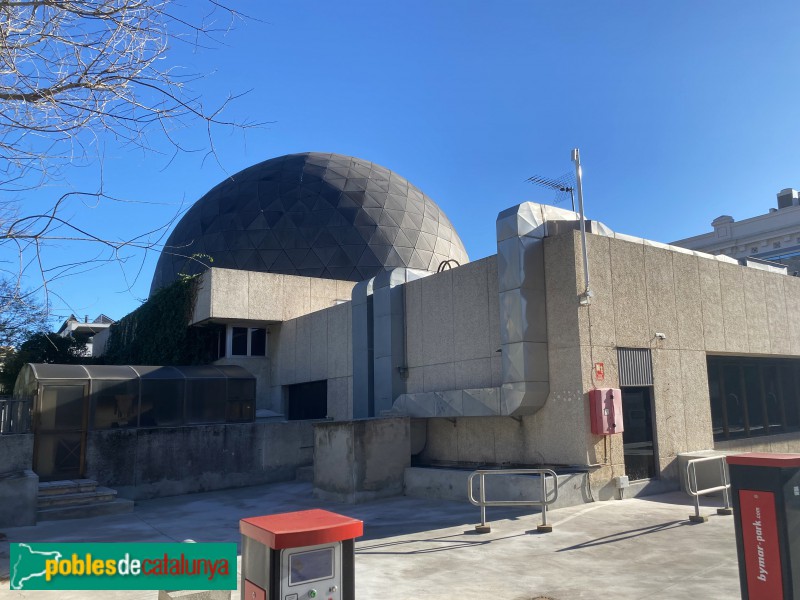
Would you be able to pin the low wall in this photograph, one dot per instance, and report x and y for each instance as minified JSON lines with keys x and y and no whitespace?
{"x":148,"y":463}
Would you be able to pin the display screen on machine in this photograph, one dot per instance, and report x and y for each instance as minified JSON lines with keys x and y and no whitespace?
{"x":310,"y":566}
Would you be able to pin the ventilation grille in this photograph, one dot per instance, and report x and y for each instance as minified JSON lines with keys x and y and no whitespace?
{"x":635,"y":367}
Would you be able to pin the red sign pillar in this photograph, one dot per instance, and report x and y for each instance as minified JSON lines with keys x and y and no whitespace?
{"x":765,"y":489}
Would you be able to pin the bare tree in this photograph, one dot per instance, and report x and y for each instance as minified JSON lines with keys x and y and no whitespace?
{"x":75,"y":74}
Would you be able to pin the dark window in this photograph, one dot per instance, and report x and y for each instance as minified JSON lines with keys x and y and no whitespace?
{"x":258,"y":342}
{"x":239,"y":341}
{"x":307,"y":400}
{"x":752,"y":397}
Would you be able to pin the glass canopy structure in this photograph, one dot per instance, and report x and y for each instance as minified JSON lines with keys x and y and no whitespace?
{"x":61,"y":403}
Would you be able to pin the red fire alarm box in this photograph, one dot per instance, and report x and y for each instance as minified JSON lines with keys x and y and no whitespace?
{"x":605,"y":411}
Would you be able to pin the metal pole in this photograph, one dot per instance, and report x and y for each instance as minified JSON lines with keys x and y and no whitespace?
{"x":726,"y":510}
{"x":544,"y":499}
{"x":576,"y":157}
{"x":544,"y":527}
{"x":483,"y":501}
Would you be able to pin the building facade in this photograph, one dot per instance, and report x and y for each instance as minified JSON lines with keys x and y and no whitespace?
{"x":85,"y":331}
{"x":494,"y":361}
{"x":416,"y":366}
{"x":774,"y":237}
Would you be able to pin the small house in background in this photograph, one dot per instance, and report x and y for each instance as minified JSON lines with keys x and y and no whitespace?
{"x":84,"y":331}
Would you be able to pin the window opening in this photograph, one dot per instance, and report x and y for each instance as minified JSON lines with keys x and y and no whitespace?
{"x":752,"y":397}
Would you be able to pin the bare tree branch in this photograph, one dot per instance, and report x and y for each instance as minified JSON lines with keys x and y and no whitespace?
{"x":75,"y":74}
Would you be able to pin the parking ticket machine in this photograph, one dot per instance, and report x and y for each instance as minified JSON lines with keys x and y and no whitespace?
{"x":299,"y":556}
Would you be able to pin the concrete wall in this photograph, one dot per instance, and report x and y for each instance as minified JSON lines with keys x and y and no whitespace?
{"x":248,"y":297}
{"x":19,"y":485}
{"x":702,"y":304}
{"x":314,"y":347}
{"x":16,"y":452}
{"x":453,"y":329}
{"x":228,"y":295}
{"x":148,"y":463}
{"x":357,"y":461}
{"x":558,"y":433}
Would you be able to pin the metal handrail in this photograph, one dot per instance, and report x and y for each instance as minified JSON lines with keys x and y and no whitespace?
{"x":691,"y":487}
{"x":482,"y":502}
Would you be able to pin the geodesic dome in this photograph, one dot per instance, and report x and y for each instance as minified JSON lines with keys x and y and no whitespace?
{"x":311,"y":214}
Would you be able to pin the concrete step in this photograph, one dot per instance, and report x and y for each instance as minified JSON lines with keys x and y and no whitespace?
{"x":100,"y":494}
{"x":82,"y":511}
{"x":67,"y":486}
{"x":304,"y":473}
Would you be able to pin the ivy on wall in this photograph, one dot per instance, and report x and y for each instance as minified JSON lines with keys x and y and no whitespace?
{"x":157,"y":333}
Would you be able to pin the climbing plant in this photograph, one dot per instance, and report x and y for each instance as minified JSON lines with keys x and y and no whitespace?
{"x":158,"y":332}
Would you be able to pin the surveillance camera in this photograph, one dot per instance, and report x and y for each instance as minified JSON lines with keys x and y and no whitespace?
{"x":661,"y":336}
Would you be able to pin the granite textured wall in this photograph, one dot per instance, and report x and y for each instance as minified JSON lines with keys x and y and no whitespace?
{"x":453,"y":329}
{"x":702,"y":304}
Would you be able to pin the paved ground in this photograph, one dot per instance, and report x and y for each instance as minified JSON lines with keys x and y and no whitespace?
{"x":417,"y":549}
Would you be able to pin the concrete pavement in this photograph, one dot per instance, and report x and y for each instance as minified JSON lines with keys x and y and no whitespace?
{"x":419,"y":549}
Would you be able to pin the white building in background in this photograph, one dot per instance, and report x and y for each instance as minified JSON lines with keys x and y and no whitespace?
{"x":774,"y":236}
{"x":84,"y":331}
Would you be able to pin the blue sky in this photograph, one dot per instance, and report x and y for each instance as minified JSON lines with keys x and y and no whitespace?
{"x":683,"y":111}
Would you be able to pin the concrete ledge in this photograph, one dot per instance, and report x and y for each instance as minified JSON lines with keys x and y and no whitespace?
{"x":451,"y":484}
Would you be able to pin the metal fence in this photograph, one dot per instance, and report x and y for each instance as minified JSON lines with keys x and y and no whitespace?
{"x":546,"y":497}
{"x":15,"y":415}
{"x":724,"y":487}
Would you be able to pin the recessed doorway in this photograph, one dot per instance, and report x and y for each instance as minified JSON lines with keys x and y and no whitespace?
{"x":637,"y":437}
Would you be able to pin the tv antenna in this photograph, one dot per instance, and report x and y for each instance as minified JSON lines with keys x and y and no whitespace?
{"x":562,"y":184}
{"x":565,"y":184}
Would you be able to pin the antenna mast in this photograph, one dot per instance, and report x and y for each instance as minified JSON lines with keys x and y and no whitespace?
{"x":585,"y":298}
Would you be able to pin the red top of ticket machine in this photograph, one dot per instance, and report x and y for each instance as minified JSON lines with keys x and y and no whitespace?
{"x":299,"y":556}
